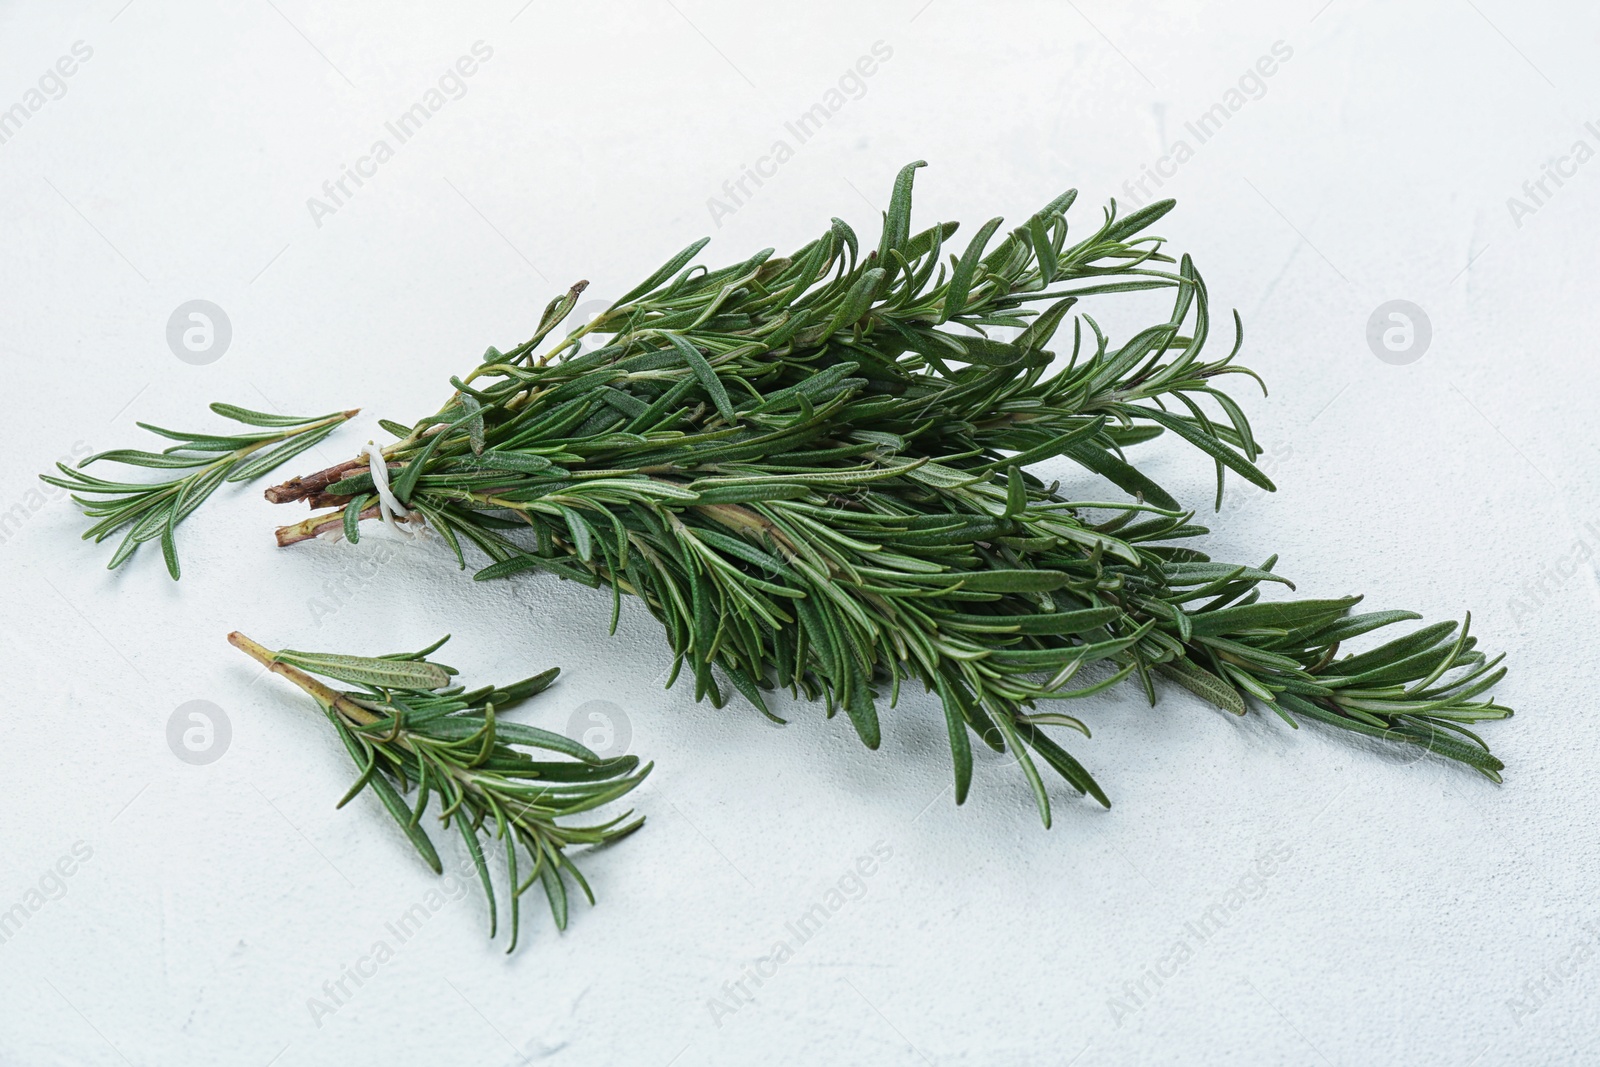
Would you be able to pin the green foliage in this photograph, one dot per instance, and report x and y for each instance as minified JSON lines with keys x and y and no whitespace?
{"x":408,"y":728}
{"x":813,"y":470}
{"x":154,"y":510}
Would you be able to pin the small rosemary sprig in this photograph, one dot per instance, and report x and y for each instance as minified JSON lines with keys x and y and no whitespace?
{"x":154,"y":509}
{"x":409,"y":727}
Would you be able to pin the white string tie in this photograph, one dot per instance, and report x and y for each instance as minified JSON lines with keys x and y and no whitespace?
{"x":388,"y":504}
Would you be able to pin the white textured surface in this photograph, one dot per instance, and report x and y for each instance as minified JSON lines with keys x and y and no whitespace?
{"x":1403,"y":913}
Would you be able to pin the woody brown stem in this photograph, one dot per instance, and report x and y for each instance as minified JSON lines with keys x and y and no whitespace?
{"x":298,"y":488}
{"x":326,"y":500}
{"x":306,"y":529}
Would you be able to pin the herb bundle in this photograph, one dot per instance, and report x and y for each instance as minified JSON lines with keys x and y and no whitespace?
{"x":813,"y":469}
{"x":154,"y":510}
{"x":409,"y":726}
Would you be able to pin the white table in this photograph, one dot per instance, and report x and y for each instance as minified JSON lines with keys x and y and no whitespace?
{"x":1375,"y":911}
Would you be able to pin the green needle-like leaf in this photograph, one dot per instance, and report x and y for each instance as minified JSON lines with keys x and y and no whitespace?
{"x":154,"y":510}
{"x":410,"y":730}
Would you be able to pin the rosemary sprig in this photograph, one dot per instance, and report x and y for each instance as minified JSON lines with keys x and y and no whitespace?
{"x":813,"y":470}
{"x":408,"y":726}
{"x":154,"y":510}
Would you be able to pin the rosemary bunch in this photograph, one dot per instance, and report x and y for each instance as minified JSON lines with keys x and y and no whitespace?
{"x":813,"y":471}
{"x":154,"y":510}
{"x":408,"y":726}
{"x":699,"y":359}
